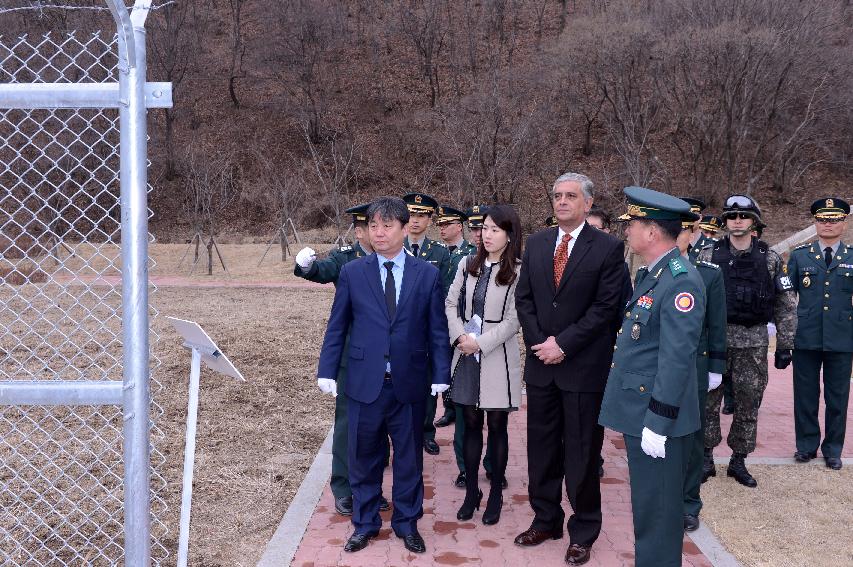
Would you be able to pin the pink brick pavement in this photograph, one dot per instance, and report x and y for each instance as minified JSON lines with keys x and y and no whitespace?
{"x":450,"y":542}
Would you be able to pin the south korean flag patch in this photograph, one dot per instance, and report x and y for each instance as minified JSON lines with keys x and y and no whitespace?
{"x":684,"y":302}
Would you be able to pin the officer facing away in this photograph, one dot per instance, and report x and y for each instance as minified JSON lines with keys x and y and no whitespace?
{"x":758,"y":290}
{"x":651,"y":393}
{"x":822,"y":274}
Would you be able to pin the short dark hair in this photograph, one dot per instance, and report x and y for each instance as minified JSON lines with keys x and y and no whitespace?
{"x":600,"y":213}
{"x":389,"y":208}
{"x":671,"y":228}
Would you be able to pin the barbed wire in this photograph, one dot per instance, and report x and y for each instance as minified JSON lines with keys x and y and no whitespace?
{"x":92,"y":5}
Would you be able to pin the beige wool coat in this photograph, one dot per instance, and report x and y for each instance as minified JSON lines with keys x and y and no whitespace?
{"x":500,"y":359}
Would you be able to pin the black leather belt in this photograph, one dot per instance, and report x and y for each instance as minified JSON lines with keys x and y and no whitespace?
{"x":387,"y":375}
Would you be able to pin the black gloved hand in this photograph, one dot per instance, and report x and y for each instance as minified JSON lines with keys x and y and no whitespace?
{"x":782,"y":359}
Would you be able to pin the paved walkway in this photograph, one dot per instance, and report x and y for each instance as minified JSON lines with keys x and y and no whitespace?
{"x":450,"y":542}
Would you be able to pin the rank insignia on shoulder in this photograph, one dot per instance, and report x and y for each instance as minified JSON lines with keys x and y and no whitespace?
{"x":712,"y":265}
{"x":684,"y":302}
{"x":801,"y":246}
{"x":845,"y":265}
{"x":645,"y":302}
{"x":676,"y":267}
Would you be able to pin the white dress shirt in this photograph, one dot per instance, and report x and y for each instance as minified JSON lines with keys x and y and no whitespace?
{"x":574,"y":234}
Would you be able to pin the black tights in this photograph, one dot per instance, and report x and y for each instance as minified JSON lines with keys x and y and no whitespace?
{"x":472,"y":445}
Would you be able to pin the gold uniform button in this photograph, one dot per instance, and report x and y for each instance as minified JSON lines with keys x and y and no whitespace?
{"x":615,"y":347}
{"x":826,"y":295}
{"x":612,"y":365}
{"x":826,"y":283}
{"x":642,"y":388}
{"x":705,"y":353}
{"x":825,"y":308}
{"x":627,"y":314}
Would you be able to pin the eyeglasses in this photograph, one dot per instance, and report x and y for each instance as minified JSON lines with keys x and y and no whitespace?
{"x":741,"y":201}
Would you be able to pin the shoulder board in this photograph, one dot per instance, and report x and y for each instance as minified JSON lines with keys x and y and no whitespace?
{"x":708,"y":264}
{"x":437,"y":243}
{"x":345,"y":248}
{"x":676,"y":266}
{"x":801,"y":246}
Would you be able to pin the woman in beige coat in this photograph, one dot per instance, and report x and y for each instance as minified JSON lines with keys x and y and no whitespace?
{"x":486,"y":367}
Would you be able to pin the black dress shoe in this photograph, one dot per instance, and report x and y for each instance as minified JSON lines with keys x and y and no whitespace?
{"x":384,"y":506}
{"x":691,"y":523}
{"x":343,"y":505}
{"x":357,"y":542}
{"x":414,"y":542}
{"x":804,"y":456}
{"x":737,"y":470}
{"x":445,"y":420}
{"x":577,"y":554}
{"x":833,"y":463}
{"x":460,"y":480}
{"x":431,"y":447}
{"x":504,"y":483}
{"x":532,"y":536}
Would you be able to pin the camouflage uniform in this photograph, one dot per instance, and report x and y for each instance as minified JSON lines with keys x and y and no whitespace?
{"x":746,"y":360}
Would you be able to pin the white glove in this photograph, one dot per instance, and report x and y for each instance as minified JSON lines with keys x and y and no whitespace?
{"x":305,"y":258}
{"x":439,"y":388}
{"x":653,"y":445}
{"x":328,"y":386}
{"x":714,"y":380}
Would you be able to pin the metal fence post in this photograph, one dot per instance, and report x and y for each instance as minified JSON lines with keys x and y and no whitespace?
{"x":134,"y":247}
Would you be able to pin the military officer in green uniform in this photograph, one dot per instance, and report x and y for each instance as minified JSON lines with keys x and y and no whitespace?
{"x":698,"y":240}
{"x":450,"y":225}
{"x":710,"y":366}
{"x":651,"y":394}
{"x":327,"y":271}
{"x":476,"y":215}
{"x":822,"y":275}
{"x":711,"y":225}
{"x":421,"y":209}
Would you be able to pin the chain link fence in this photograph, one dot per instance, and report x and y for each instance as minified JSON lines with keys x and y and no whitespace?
{"x":64,"y":453}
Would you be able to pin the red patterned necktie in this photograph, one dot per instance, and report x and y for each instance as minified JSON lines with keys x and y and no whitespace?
{"x":561,"y":258}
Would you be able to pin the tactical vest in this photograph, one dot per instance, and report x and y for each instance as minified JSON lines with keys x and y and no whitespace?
{"x":750,"y":291}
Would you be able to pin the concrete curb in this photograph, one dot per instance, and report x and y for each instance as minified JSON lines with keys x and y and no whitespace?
{"x":711,"y":547}
{"x":287,"y":537}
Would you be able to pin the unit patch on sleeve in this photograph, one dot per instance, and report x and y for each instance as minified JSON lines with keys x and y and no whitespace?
{"x":684,"y":302}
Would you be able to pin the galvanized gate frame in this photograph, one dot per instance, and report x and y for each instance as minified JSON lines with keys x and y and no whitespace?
{"x":132,"y":96}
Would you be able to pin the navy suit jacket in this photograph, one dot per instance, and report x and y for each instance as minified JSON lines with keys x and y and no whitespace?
{"x":414,"y":341}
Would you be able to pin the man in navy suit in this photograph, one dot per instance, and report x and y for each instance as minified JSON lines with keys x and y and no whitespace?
{"x":392,"y":301}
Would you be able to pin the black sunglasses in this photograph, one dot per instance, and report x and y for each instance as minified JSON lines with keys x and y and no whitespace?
{"x":742,"y":216}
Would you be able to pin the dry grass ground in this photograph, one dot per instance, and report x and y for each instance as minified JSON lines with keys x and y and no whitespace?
{"x":800,"y":515}
{"x":256,"y":439}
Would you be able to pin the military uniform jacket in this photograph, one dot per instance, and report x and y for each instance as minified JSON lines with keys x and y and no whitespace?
{"x":825,"y":310}
{"x":712,"y":343}
{"x":702,"y":242}
{"x":463,"y":250}
{"x":327,"y":270}
{"x":436,"y":254}
{"x":652,"y":381}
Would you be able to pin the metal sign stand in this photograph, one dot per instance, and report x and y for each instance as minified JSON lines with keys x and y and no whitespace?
{"x":203,"y":349}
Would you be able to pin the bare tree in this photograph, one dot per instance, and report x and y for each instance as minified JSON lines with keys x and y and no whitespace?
{"x":212,"y":187}
{"x":424,"y":23}
{"x":335,"y":165}
{"x":238,"y":48}
{"x":173,"y":52}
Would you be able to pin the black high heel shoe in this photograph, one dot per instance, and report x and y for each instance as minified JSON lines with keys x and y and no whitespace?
{"x":492,"y":513}
{"x":466,"y":511}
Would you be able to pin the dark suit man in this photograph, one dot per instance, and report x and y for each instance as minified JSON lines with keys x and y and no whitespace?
{"x":387,"y":379}
{"x":569,"y":294}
